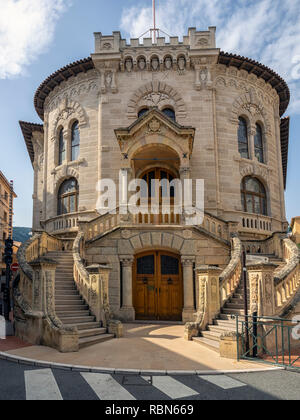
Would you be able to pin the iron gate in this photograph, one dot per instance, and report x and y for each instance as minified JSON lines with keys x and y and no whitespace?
{"x":269,"y":340}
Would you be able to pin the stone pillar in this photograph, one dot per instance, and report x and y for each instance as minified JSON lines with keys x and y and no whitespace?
{"x":99,"y":292}
{"x":43,"y":290}
{"x":209,"y":292}
{"x":188,"y":288}
{"x":127,"y":310}
{"x":262,"y":289}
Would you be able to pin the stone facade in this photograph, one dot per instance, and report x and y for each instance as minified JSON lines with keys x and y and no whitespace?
{"x":105,"y":97}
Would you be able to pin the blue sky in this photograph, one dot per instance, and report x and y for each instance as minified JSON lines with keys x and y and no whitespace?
{"x":37,"y":37}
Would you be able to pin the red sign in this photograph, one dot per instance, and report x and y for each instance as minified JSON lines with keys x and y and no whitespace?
{"x":14,"y":267}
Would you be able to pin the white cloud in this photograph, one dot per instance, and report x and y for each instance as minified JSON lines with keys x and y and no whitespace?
{"x":26,"y":30}
{"x":265,"y":30}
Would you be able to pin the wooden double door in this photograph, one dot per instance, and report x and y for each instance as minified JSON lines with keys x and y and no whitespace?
{"x":157,"y":286}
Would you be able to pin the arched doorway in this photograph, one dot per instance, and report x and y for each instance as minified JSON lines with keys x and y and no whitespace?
{"x":157,"y":286}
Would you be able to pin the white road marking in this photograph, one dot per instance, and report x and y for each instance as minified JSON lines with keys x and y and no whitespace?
{"x":171,"y":387}
{"x":41,"y":385}
{"x":106,"y":387}
{"x":222,"y":381}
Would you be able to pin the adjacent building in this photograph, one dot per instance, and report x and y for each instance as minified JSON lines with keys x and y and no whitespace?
{"x":5,"y":199}
{"x":295,"y":226}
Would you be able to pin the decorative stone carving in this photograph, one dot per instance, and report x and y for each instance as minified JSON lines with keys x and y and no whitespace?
{"x":142,"y":64}
{"x":156,"y":94}
{"x":68,"y":110}
{"x":168,"y":63}
{"x":129,"y":65}
{"x":155,"y":64}
{"x":181,"y":65}
{"x":154,"y":125}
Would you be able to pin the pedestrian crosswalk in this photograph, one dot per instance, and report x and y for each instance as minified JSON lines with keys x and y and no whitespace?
{"x":43,"y":385}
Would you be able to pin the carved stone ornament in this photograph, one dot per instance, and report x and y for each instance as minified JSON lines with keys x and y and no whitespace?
{"x":181,"y":64}
{"x":154,"y":125}
{"x":168,"y":63}
{"x":142,"y":64}
{"x":107,"y":46}
{"x":155,"y":64}
{"x":129,"y":65}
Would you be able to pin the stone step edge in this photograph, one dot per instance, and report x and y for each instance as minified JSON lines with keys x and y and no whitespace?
{"x":138,"y":372}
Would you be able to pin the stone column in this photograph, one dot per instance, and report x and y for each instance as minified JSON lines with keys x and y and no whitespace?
{"x":127,"y":310}
{"x":262,"y":289}
{"x":188,"y":289}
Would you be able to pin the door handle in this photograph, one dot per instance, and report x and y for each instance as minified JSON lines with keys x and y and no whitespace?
{"x":145,"y":280}
{"x":170,"y":281}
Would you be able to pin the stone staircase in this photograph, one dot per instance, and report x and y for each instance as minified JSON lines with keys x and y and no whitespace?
{"x":227,"y":321}
{"x":71,"y":309}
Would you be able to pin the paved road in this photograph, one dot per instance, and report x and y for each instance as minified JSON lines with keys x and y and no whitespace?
{"x":21,"y":382}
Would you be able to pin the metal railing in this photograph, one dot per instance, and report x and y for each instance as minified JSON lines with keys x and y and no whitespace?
{"x":269,"y":340}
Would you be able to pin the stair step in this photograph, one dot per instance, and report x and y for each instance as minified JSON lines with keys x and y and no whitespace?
{"x":68,"y":302}
{"x":231,"y":311}
{"x":221,"y":328}
{"x":85,"y":325}
{"x":225,"y":323}
{"x":71,"y":320}
{"x":211,"y":344}
{"x":77,"y":307}
{"x":227,"y":317}
{"x":66,"y":293}
{"x":64,"y":314}
{"x":211,"y":335}
{"x":234,"y":305}
{"x":92,"y":332}
{"x":67,"y":297}
{"x":90,"y":341}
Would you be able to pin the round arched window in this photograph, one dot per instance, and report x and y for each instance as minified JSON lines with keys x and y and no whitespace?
{"x":243,"y":138}
{"x":170,"y":113}
{"x":254,"y":197}
{"x":75,"y":141}
{"x":68,"y":197}
{"x":142,"y":112}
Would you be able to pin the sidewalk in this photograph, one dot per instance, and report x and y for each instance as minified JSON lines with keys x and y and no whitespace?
{"x":144,"y":347}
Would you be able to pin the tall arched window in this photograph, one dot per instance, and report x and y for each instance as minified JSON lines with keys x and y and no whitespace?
{"x":254,"y":197}
{"x":259,"y":144}
{"x":142,"y":112}
{"x":62,"y":148}
{"x":75,"y":141}
{"x":68,"y":197}
{"x":170,"y":113}
{"x":243,"y":138}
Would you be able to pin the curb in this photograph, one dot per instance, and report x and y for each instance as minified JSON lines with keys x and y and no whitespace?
{"x":137,"y":372}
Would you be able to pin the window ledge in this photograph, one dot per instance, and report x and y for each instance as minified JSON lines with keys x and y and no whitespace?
{"x":73,"y":163}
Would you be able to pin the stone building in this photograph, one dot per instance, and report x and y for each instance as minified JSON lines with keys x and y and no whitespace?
{"x":295,"y":226}
{"x":164,"y":110}
{"x":5,"y":191}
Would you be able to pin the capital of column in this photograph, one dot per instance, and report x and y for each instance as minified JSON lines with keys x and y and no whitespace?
{"x":188,"y":261}
{"x":127,"y":260}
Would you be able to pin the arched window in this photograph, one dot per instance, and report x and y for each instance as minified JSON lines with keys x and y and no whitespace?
{"x":170,"y":113}
{"x":258,"y":144}
{"x":161,"y":175}
{"x":254,"y":197}
{"x":68,"y":197}
{"x":243,"y":138}
{"x":75,"y":141}
{"x":62,"y":148}
{"x":142,"y":112}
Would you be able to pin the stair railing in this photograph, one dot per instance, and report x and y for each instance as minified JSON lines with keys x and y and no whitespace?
{"x":287,"y":279}
{"x":92,"y":283}
{"x":41,"y":245}
{"x":231,"y":276}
